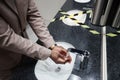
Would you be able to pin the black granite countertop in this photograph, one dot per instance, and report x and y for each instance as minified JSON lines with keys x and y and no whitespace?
{"x":113,"y":54}
{"x":80,"y":38}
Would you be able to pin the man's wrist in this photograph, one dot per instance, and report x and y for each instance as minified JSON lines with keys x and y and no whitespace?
{"x":52,"y":47}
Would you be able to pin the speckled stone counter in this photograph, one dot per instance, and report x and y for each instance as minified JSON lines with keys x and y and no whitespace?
{"x":80,"y":38}
{"x":113,"y":55}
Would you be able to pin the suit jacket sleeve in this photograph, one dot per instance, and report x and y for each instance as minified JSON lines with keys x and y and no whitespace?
{"x":9,"y":40}
{"x":37,"y":24}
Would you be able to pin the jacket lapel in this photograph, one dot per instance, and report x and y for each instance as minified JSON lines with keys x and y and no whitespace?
{"x":21,"y":8}
{"x":12,"y":5}
{"x":18,"y":6}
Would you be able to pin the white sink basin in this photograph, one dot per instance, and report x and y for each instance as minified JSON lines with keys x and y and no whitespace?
{"x":48,"y":70}
{"x":82,"y":1}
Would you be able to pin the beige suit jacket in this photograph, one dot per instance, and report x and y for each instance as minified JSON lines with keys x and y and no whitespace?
{"x":14,"y":17}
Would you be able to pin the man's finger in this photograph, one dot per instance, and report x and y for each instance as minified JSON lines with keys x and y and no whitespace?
{"x":61,"y":61}
{"x":68,"y":59}
{"x":62,"y":56}
{"x":63,"y":50}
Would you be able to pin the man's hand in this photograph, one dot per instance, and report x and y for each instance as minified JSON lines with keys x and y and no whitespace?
{"x":60,"y":55}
